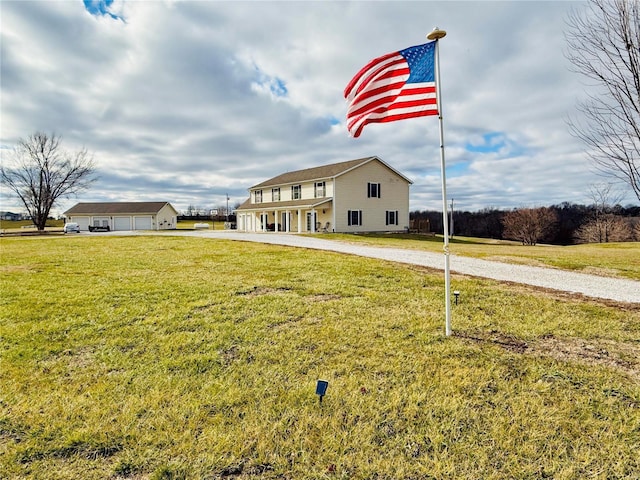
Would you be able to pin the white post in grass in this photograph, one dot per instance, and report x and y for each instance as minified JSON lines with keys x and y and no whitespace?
{"x":436,"y":35}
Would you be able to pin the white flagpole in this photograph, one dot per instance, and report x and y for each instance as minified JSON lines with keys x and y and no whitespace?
{"x":436,"y":35}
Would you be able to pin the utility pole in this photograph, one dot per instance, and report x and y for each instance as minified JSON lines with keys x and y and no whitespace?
{"x":227,"y":208}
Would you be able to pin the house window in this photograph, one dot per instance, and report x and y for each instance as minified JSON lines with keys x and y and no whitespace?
{"x":392,"y":217}
{"x":373,"y":190}
{"x":257,"y":196}
{"x":275,"y":194}
{"x":320,"y":189}
{"x":354,"y":217}
{"x":296,"y":192}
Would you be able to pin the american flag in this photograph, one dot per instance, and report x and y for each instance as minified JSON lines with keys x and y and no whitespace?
{"x":393,"y":87}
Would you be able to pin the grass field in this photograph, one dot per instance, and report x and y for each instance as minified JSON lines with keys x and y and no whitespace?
{"x":178,"y":358}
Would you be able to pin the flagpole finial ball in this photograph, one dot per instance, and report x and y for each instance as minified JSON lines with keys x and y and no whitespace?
{"x":436,"y":34}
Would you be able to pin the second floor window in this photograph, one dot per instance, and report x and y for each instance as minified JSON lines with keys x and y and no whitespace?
{"x":373,"y":190}
{"x":257,"y":196}
{"x":296,"y":192}
{"x":320,"y":189}
{"x":275,"y":194}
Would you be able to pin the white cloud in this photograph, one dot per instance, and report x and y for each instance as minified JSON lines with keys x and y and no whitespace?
{"x":188,"y":101}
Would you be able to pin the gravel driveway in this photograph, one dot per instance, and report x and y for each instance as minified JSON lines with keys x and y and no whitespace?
{"x":579,"y":283}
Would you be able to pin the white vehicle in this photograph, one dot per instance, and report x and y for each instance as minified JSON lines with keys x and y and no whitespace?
{"x":71,"y":227}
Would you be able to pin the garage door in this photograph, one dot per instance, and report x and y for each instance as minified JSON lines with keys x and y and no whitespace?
{"x":142,"y":223}
{"x":122,"y":223}
{"x":83,"y":222}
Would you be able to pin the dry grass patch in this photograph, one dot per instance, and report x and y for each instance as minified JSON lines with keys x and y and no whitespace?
{"x":622,"y":356}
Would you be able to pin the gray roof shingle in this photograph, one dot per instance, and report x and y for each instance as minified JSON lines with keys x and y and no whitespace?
{"x":315,"y":173}
{"x":110,"y":208}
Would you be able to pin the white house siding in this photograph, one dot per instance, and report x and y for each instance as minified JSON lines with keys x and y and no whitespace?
{"x":167,"y":218}
{"x":307,"y":190}
{"x":352,"y":188}
{"x":330,"y":188}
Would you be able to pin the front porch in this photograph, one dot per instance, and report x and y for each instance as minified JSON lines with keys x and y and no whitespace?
{"x":288,"y":219}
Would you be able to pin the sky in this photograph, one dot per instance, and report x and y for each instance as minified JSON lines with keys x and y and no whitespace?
{"x":191,"y":101}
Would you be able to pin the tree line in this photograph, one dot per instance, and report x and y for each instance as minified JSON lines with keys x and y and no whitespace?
{"x":563,"y":224}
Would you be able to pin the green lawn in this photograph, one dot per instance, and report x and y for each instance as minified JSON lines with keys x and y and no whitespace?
{"x":167,"y":357}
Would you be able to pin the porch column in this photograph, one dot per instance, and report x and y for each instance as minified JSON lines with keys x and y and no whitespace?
{"x":313,"y":220}
{"x":275,"y":225}
{"x":299,"y":221}
{"x":287,"y":218}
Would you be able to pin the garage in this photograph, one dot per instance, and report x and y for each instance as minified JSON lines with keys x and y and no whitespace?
{"x":83,"y":222}
{"x":124,"y":216}
{"x":122,"y":223}
{"x":142,"y":223}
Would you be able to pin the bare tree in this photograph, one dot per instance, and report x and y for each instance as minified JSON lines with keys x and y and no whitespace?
{"x":604,"y":46}
{"x":530,"y":225}
{"x":42,"y":172}
{"x":604,"y":226}
{"x":605,"y":197}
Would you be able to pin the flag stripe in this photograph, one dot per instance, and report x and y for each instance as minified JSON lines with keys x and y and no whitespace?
{"x":427,"y":100}
{"x":379,"y":75}
{"x":383,"y":116}
{"x":409,"y":107}
{"x":381,"y":96}
{"x":392,"y":87}
{"x":364,"y":72}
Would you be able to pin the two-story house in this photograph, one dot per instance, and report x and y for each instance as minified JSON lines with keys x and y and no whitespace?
{"x":363,"y":195}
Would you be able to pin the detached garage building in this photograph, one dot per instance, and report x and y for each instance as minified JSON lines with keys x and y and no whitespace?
{"x":124,"y":215}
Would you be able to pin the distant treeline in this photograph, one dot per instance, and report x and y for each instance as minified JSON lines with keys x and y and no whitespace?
{"x":489,"y":222}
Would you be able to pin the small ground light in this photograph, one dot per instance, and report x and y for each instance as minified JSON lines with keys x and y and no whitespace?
{"x":456,"y":294}
{"x":321,"y":388}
